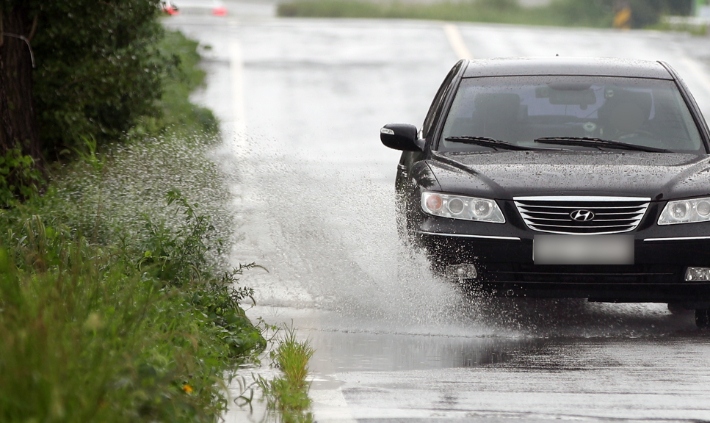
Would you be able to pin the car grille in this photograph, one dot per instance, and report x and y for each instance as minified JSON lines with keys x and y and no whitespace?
{"x":611,"y":215}
{"x":582,"y":274}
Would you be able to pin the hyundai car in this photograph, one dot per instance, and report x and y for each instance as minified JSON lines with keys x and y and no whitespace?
{"x":562,"y":178}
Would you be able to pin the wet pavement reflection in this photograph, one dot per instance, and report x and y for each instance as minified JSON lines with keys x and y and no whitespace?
{"x":345,"y":352}
{"x":613,"y":361}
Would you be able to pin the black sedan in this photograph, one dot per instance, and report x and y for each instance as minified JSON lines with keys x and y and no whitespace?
{"x":562,"y":178}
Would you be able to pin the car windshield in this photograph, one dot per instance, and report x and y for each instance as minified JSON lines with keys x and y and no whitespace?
{"x":519,"y":110}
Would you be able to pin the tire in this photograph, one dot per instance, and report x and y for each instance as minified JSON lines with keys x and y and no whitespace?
{"x":405,"y":224}
{"x":702,"y":318}
{"x":676,"y":309}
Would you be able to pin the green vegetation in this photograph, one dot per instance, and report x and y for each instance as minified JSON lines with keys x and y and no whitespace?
{"x":99,"y":66}
{"x":116,"y":300}
{"x":691,"y":28}
{"x":174,"y":113}
{"x":286,"y":395}
{"x":76,"y":69}
{"x":19,"y":179}
{"x":83,"y":69}
{"x":506,"y":11}
{"x":86,"y":334}
{"x":560,"y":12}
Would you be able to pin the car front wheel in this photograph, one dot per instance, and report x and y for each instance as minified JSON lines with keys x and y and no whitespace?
{"x":702,"y":318}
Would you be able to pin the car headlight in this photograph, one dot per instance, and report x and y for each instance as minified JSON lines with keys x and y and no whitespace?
{"x":459,"y":207}
{"x":686,"y":211}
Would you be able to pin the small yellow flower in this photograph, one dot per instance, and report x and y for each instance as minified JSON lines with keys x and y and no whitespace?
{"x":187,"y":388}
{"x":93,"y":322}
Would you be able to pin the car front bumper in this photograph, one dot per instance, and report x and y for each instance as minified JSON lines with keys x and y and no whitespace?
{"x":505,"y":267}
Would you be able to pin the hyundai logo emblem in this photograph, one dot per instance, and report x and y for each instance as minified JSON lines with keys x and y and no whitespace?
{"x":582,"y":215}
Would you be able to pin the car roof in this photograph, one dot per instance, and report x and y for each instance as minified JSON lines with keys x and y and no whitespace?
{"x":581,"y":66}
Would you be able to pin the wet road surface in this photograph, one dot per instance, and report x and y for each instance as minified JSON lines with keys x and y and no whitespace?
{"x":301,"y":102}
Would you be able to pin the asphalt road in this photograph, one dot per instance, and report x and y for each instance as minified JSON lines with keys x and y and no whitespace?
{"x":301,"y":102}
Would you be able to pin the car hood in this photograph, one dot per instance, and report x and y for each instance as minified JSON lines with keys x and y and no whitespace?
{"x":504,"y":175}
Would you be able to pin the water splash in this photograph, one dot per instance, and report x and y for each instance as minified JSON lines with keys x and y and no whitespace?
{"x":326,"y":232}
{"x":325,"y":228}
{"x":132,"y":184}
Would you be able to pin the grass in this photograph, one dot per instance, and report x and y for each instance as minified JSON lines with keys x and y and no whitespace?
{"x":116,"y":299}
{"x":177,"y":114}
{"x":95,"y":333}
{"x":692,"y":29}
{"x":287,"y":394}
{"x":559,"y":13}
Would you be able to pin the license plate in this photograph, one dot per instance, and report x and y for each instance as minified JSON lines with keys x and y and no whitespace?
{"x":578,"y":249}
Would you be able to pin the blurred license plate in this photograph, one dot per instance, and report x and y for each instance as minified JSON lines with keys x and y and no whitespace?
{"x":591,"y":249}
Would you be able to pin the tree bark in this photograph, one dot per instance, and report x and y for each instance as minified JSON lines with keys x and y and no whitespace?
{"x":18,"y":126}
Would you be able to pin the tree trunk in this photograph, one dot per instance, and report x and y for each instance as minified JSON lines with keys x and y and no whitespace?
{"x":18,"y":127}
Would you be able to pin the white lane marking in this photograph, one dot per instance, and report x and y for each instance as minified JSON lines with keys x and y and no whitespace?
{"x":330,"y":405}
{"x":698,"y":72}
{"x":456,"y":41}
{"x":237,"y":73}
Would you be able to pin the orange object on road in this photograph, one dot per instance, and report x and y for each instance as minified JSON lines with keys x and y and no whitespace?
{"x":170,"y":9}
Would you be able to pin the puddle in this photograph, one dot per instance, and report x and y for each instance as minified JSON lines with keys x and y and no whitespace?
{"x":346,"y":352}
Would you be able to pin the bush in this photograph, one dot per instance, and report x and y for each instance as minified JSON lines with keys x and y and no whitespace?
{"x":86,"y":334}
{"x":116,"y":303}
{"x":98,"y":70}
{"x":104,"y":68}
{"x":175,"y":113}
{"x":19,"y":178}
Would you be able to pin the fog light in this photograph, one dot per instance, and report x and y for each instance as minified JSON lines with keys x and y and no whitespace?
{"x":461,"y":271}
{"x":455,"y":206}
{"x":697,"y":274}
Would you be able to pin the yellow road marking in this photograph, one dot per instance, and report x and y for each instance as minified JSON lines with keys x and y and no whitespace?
{"x":456,"y":41}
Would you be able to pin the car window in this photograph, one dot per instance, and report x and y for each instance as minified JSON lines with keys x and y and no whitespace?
{"x":518,"y":110}
{"x":441,"y":94}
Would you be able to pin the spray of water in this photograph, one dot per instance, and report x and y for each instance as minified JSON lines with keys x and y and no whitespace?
{"x":112,"y":199}
{"x":326,"y":231}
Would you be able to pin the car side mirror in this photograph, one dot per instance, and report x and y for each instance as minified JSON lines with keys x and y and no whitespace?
{"x":401,"y":136}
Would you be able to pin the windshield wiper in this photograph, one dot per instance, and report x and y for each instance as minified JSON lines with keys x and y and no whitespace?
{"x":490,"y":142}
{"x":598,"y":142}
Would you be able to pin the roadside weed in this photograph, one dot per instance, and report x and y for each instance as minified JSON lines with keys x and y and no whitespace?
{"x":288,"y":394}
{"x":85,"y":335}
{"x":292,"y":358}
{"x":19,"y":178}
